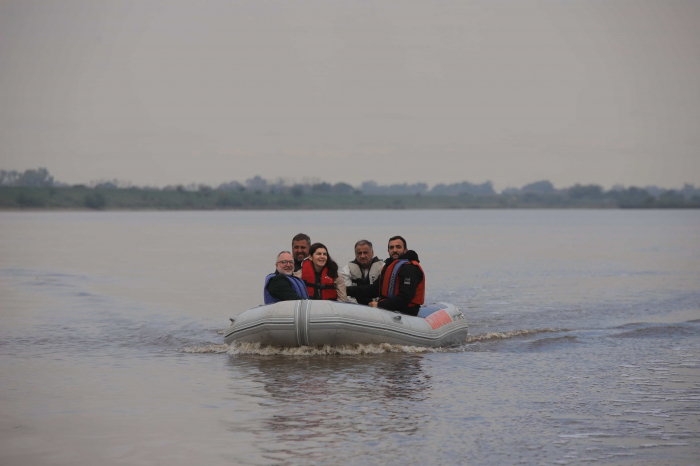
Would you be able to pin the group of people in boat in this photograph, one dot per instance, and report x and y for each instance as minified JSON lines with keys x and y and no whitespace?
{"x":309,"y":272}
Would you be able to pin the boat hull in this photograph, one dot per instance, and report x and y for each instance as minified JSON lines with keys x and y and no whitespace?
{"x":317,"y":323}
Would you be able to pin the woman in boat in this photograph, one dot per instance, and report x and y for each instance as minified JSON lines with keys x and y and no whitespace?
{"x":320,"y":273}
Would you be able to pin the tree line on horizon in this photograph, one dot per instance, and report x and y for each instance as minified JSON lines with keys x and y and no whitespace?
{"x":41,"y":177}
{"x":234,"y":194}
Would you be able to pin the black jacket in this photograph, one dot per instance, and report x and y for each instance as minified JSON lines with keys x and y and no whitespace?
{"x":280,"y":288}
{"x":409,"y":277}
{"x":363,"y":281}
{"x":297,"y":264}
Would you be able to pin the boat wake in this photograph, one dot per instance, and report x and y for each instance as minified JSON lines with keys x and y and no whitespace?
{"x":327,"y":350}
{"x":243,"y":348}
{"x":215,"y":349}
{"x":492,"y":336}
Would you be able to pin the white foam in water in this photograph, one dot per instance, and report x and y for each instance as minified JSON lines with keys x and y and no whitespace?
{"x":255,"y":348}
{"x":515,"y":333}
{"x":223,"y":348}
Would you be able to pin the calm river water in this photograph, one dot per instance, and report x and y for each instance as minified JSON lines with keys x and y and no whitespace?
{"x":584,"y":342}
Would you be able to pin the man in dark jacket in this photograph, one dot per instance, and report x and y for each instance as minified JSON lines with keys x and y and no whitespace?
{"x":282,"y":285}
{"x":401,"y":284}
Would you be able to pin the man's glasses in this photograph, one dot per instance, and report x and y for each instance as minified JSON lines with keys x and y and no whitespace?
{"x":286,"y":262}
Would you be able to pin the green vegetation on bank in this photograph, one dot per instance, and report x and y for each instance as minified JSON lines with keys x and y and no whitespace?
{"x":37,"y":189}
{"x":205,"y":198}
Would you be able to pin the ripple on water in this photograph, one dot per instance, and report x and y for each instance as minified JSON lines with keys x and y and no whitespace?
{"x":686,"y":329}
{"x":645,"y":416}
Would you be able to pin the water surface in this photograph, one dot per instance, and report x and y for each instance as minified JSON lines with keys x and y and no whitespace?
{"x":584,"y":342}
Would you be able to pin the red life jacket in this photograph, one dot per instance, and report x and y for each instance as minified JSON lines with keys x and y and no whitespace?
{"x":386,"y":277}
{"x":327,"y":286}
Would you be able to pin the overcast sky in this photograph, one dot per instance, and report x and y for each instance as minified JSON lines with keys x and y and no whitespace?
{"x":512,"y":91}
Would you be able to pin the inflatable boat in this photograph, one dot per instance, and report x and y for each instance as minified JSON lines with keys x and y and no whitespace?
{"x":318,"y":323}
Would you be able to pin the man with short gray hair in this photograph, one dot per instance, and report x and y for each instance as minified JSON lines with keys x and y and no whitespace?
{"x":364,"y":270}
{"x":282,"y":285}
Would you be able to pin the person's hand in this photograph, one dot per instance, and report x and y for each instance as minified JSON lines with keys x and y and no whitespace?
{"x":373,"y":304}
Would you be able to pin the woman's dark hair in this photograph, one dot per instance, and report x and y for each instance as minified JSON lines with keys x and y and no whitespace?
{"x":330,"y":263}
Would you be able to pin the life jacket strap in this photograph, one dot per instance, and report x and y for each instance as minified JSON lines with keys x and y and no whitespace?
{"x":391,"y":292}
{"x":320,"y":286}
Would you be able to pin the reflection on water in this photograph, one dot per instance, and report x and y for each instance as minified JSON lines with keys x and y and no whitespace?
{"x":591,"y":395}
{"x":317,"y":403}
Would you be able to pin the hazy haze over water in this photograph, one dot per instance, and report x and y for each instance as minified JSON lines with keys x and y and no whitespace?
{"x":394,"y":91}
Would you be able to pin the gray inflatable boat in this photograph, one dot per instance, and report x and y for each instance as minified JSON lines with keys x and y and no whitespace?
{"x":317,"y":323}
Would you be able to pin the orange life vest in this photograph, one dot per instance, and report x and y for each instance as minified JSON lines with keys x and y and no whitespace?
{"x":391,"y":272}
{"x":327,"y":286}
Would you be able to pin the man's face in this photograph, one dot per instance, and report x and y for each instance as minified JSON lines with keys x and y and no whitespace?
{"x":285,"y":264}
{"x":396,"y":248}
{"x":364,"y":255}
{"x":300,"y":249}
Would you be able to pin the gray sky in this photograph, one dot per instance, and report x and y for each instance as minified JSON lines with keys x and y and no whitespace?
{"x":512,"y":91}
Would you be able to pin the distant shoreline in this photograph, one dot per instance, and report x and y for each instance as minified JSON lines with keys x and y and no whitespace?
{"x":139,"y":199}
